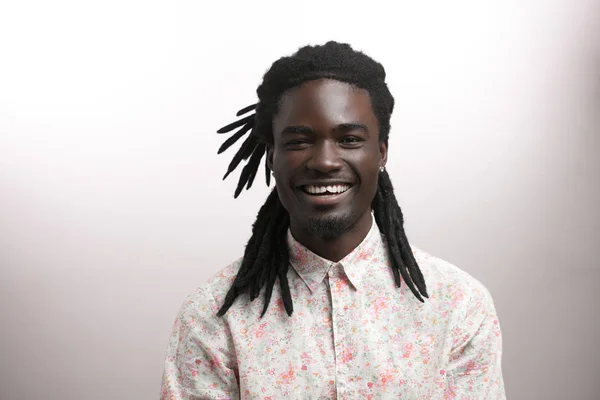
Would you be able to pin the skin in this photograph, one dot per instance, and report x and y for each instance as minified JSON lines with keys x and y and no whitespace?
{"x":326,"y":130}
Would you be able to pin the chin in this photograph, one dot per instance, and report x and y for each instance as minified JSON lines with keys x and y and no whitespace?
{"x":330,"y":226}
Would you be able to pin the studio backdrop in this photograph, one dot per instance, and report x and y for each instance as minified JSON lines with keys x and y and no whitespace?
{"x":112,"y":207}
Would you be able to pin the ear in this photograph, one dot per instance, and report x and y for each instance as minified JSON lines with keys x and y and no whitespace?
{"x":383,"y":152}
{"x":270,"y":149}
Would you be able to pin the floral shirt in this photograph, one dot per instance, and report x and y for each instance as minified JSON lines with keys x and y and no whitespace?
{"x":353,"y":335}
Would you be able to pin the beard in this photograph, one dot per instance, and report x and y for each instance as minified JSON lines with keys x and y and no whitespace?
{"x":330,"y":227}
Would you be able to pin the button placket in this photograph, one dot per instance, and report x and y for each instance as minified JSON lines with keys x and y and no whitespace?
{"x":335,"y":275}
{"x":340,"y":310}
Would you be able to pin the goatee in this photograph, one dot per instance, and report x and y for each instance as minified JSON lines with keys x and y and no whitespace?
{"x":329,"y":227}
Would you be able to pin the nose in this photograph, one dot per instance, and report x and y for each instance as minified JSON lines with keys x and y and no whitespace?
{"x":324,"y":157}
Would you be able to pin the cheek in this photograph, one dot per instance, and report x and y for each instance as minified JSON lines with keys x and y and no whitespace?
{"x":286,"y":162}
{"x":369,"y":175}
{"x":366,"y":165}
{"x":371,"y":185}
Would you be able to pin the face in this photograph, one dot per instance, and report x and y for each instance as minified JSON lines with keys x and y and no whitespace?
{"x":326,"y":156}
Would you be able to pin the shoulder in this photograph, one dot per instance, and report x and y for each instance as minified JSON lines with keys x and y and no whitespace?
{"x":451,"y":286}
{"x":218,"y":285}
{"x":206,"y":300}
{"x":197,"y":331}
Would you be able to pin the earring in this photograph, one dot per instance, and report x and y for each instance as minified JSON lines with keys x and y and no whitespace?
{"x":381,"y":169}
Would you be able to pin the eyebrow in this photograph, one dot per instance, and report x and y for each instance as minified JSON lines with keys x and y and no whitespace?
{"x":345,"y":127}
{"x":353,"y":126}
{"x":297,"y":129}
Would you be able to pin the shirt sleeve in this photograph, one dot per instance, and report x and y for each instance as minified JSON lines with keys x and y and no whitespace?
{"x":200,"y":361}
{"x":474,"y":368}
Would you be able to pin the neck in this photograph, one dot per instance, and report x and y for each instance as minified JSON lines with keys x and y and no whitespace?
{"x":336,"y":248}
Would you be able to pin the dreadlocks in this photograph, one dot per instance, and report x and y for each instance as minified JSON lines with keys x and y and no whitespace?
{"x":266,"y":256}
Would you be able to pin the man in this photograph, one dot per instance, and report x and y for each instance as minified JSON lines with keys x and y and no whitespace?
{"x":341,"y":323}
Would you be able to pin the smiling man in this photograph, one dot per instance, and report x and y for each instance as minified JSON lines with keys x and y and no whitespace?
{"x":357,"y":312}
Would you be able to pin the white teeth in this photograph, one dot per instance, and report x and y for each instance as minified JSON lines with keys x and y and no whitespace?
{"x":334,"y":189}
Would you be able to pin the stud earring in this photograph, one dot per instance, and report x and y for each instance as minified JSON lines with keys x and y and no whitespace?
{"x":381,"y":169}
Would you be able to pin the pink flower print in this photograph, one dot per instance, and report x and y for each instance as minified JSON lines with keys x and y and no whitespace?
{"x":261,"y":330}
{"x":449,"y":391}
{"x":379,"y":305}
{"x":339,"y":284}
{"x":471,"y":365}
{"x":289,"y":376}
{"x":386,"y":377}
{"x":364,"y":254}
{"x":408,"y":348}
{"x":347,"y":356}
{"x":279,"y":304}
{"x":457,"y":298}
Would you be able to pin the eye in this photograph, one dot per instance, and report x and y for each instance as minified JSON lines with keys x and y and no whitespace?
{"x":351,"y":140}
{"x":297,"y":144}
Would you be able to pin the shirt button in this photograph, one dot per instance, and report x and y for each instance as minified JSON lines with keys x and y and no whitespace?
{"x":336,"y":270}
{"x":340,"y":311}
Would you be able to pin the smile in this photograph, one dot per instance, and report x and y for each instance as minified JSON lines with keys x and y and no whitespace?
{"x":325,"y":195}
{"x":325,"y":190}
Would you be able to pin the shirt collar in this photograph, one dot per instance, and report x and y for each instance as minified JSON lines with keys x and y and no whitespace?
{"x":312,"y":268}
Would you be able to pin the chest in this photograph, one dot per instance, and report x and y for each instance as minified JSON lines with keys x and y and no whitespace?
{"x":341,"y":343}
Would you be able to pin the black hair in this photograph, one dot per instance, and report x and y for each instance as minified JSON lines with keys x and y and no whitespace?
{"x":266,"y":256}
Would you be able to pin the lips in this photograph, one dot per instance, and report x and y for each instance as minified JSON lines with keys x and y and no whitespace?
{"x":320,"y":190}
{"x":325,"y":194}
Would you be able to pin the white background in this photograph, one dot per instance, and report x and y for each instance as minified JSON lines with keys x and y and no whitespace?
{"x":112,"y":207}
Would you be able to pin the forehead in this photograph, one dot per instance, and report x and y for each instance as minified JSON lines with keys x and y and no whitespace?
{"x":324,"y":103}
